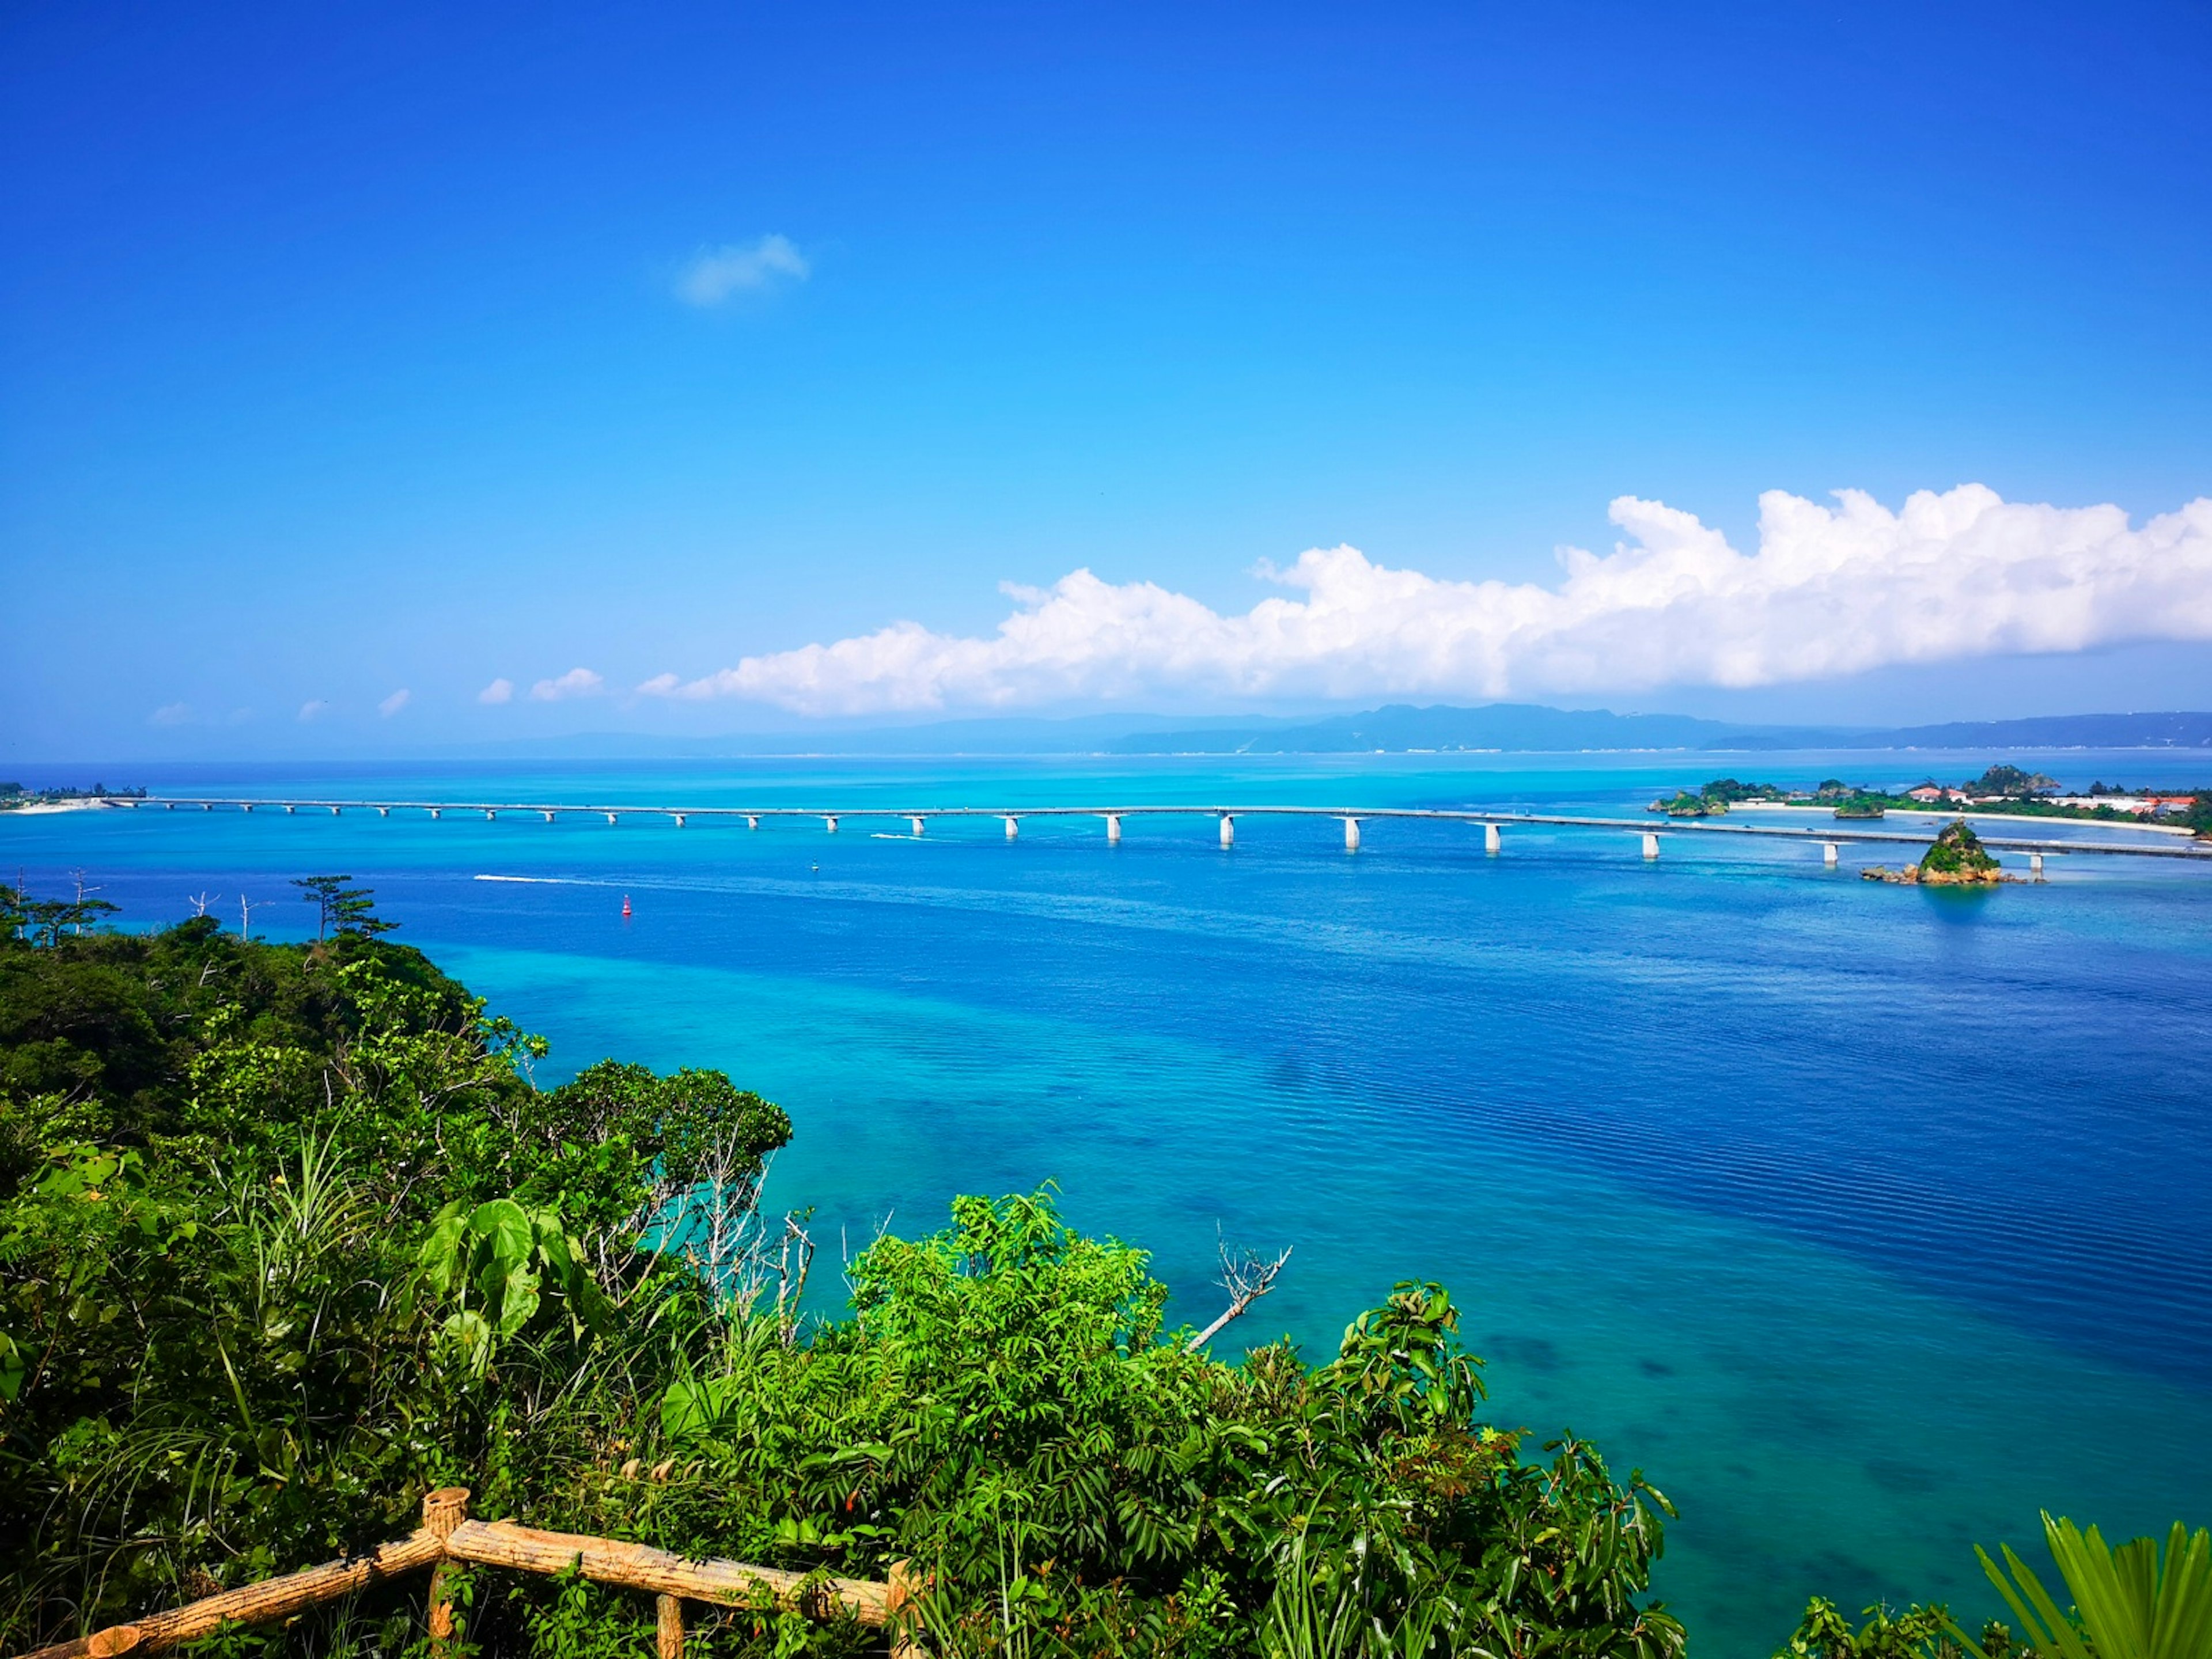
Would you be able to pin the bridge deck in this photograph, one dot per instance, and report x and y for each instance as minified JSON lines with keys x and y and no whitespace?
{"x":1826,"y":832}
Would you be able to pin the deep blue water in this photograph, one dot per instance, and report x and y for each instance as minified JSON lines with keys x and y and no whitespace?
{"x":1865,"y":1220}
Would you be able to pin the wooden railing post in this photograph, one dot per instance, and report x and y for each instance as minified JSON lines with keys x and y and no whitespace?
{"x":900,"y":1611}
{"x":443,"y":1511}
{"x":671,"y":1633}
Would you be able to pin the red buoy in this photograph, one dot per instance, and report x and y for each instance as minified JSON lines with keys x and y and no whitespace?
{"x":625,"y":906}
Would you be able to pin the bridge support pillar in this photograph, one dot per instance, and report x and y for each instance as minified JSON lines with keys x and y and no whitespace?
{"x":610,"y":817}
{"x":1828,"y":854}
{"x":437,"y":813}
{"x":1227,"y":830}
{"x":245,"y":806}
{"x":678,"y":816}
{"x":489,"y":814}
{"x":168,"y":807}
{"x":2035,"y":865}
{"x":829,"y":823}
{"x":919,"y":824}
{"x":289,"y":810}
{"x":1013,"y":827}
{"x":752,"y":821}
{"x":335,"y":810}
{"x":1113,"y":828}
{"x":1491,"y":841}
{"x":384,"y":811}
{"x":1651,"y":845}
{"x":1351,"y":834}
{"x":549,"y":817}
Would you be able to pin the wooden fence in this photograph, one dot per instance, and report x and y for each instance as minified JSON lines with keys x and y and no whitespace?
{"x":448,"y":1537}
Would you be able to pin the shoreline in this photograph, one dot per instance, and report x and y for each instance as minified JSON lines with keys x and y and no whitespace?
{"x":94,"y":805}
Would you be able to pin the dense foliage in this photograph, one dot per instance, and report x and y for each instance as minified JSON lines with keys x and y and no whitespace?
{"x":254,"y":1199}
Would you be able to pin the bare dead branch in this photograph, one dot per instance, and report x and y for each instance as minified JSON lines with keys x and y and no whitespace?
{"x":1247,"y":1276}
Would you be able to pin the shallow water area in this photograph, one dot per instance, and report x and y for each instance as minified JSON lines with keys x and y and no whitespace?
{"x":1865,"y":1220}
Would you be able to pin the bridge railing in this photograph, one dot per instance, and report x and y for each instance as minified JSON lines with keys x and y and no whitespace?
{"x":447,"y":1539}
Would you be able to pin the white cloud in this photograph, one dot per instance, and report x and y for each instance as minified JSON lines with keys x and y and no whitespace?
{"x":1831,"y":591}
{"x":393,"y":704}
{"x":313,"y":709}
{"x":499,"y":690}
{"x":576,"y":682}
{"x":171,"y":713}
{"x":712,"y":275}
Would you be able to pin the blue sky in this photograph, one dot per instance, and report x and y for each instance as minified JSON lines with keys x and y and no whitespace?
{"x":348,"y":350}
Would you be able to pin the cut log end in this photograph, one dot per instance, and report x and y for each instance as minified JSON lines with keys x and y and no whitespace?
{"x":445,"y":1509}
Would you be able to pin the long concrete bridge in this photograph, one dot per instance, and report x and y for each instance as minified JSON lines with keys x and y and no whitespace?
{"x":1828,"y":836}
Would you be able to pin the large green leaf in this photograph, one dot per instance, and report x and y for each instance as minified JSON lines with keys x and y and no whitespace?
{"x":2126,"y":1606}
{"x":504,"y":1226}
{"x":442,"y":1253}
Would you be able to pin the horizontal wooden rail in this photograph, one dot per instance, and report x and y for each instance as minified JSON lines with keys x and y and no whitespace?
{"x":447,"y":1536}
{"x":254,"y":1604}
{"x":639,"y":1566}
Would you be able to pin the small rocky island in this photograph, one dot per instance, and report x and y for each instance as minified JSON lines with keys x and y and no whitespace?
{"x":1957,"y":859}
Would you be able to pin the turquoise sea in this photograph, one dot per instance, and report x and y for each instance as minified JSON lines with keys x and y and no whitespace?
{"x":1865,"y":1220}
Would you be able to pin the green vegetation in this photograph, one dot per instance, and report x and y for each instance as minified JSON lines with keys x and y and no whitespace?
{"x":1715,"y":798}
{"x":288,"y":1236}
{"x":228,"y":1345}
{"x":1684,"y":805}
{"x":1958,"y":857}
{"x":1729,"y":791}
{"x":2127,"y":1604}
{"x":2010,"y":783}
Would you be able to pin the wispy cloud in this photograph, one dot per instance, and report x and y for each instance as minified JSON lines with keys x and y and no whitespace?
{"x":499,"y":690}
{"x":171,"y":713}
{"x":393,"y":704}
{"x":313,"y":709}
{"x":1831,"y":591}
{"x":712,"y":275}
{"x":576,"y":682}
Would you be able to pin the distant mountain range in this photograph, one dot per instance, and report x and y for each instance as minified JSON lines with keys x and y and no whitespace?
{"x":1400,"y":728}
{"x":1502,"y":725}
{"x":1531,"y":726}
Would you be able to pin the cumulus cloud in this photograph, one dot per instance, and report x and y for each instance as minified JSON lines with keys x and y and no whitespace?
{"x":576,"y":682}
{"x":712,"y":275}
{"x":499,"y":690}
{"x":393,"y":704}
{"x":1831,"y":591}
{"x":313,"y":709}
{"x":171,"y":713}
